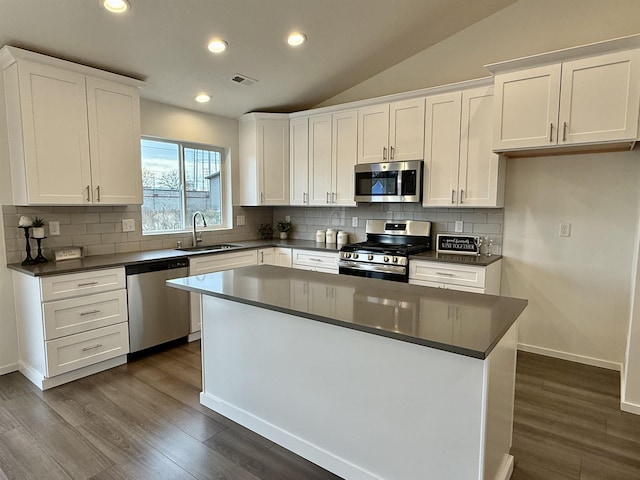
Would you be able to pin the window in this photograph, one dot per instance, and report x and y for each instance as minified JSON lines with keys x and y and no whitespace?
{"x":179,"y":179}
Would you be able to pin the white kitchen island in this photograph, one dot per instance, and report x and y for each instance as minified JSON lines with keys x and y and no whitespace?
{"x":367,"y":378}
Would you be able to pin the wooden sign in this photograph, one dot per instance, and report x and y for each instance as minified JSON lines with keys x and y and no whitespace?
{"x":465,"y":244}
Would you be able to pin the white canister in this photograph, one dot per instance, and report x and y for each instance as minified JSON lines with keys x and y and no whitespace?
{"x":320,"y":236}
{"x":331,"y":235}
{"x":343,"y":237}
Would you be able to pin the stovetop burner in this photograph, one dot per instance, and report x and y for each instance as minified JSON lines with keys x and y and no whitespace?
{"x":404,"y":249}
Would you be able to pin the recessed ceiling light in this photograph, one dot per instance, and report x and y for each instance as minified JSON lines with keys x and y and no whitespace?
{"x":217,"y":46}
{"x":202,"y":98}
{"x":116,"y":6}
{"x":296,"y":39}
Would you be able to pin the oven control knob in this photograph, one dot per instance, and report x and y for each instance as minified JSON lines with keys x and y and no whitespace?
{"x":370,"y":257}
{"x":355,"y":255}
{"x":395,"y":259}
{"x":347,"y":255}
{"x":386,"y":259}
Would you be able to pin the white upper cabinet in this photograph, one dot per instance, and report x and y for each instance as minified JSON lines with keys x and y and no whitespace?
{"x":461,"y":170}
{"x":264,"y":159}
{"x":323,"y":157}
{"x":299,"y":156}
{"x":74,"y":138}
{"x":573,"y":103}
{"x":391,"y":131}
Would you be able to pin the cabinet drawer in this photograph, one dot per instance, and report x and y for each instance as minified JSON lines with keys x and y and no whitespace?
{"x":223,"y":261}
{"x":320,"y":261}
{"x":76,"y":284}
{"x":76,"y":315}
{"x":83,"y":349}
{"x":447,"y":274}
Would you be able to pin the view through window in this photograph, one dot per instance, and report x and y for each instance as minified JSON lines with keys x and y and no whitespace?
{"x":179,"y":179}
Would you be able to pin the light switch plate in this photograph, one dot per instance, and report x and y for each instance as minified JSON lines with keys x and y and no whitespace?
{"x":354,"y":221}
{"x":128,"y":225}
{"x":459,"y":226}
{"x":240,"y":220}
{"x":565,"y":229}
{"x":54,"y":228}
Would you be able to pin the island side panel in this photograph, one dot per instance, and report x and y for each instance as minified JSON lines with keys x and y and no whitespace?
{"x":501,"y":381}
{"x":360,"y":405}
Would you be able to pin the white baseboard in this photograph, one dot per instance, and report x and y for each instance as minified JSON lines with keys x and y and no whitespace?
{"x":194,"y":336}
{"x":506,"y":470}
{"x":572,"y":357}
{"x":44,"y":383}
{"x":313,"y":453}
{"x":12,"y":367}
{"x":624,"y":405}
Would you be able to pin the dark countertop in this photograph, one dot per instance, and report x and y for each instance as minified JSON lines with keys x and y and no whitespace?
{"x":463,"y":323}
{"x":97,"y":262}
{"x":477,"y":260}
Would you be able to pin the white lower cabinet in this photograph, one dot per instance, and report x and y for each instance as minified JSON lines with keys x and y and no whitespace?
{"x":315,"y":260}
{"x":202,"y":264}
{"x":70,"y":326}
{"x":454,"y":276}
{"x":278,"y":256}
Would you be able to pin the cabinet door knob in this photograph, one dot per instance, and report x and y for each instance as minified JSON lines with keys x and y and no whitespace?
{"x":461,"y":196}
{"x":328,"y":200}
{"x":384,"y":153}
{"x":88,"y":193}
{"x":304,"y":197}
{"x":453,"y":193}
{"x":98,"y":190}
{"x":564,"y":132}
{"x":551,"y":133}
{"x":391,"y":153}
{"x":333,"y":197}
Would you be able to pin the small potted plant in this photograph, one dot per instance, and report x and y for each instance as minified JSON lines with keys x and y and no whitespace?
{"x":38,"y":227}
{"x":265,"y":231}
{"x":284,"y":228}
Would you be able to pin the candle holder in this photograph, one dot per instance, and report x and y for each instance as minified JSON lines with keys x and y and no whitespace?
{"x":29,"y":260}
{"x":40,"y":258}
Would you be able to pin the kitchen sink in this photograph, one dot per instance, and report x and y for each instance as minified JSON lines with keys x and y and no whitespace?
{"x":208,"y":248}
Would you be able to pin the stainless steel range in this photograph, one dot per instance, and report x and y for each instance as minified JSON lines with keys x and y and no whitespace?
{"x":386,"y":252}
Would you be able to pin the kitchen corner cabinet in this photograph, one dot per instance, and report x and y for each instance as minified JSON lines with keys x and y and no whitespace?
{"x":461,"y":169}
{"x":72,"y":325}
{"x":391,"y":132}
{"x":264,"y":159}
{"x":74,"y":132}
{"x":202,"y":264}
{"x":453,"y":276}
{"x":590,"y":100}
{"x":278,"y":256}
{"x":323,"y":157}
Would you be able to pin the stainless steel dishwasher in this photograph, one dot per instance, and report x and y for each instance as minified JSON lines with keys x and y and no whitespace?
{"x":157,"y":313}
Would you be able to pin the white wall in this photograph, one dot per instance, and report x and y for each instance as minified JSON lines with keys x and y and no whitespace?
{"x":524,"y":28}
{"x":630,"y":400}
{"x":578,"y":287}
{"x":8,"y":335}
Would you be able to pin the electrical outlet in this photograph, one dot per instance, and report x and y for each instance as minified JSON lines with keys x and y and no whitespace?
{"x":287,"y":218}
{"x":240,"y":220}
{"x":354,"y":221}
{"x":459,"y":226}
{"x":54,"y":228}
{"x":128,"y":225}
{"x":565,"y":230}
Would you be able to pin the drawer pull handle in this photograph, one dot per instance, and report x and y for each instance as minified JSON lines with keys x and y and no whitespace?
{"x":316,"y":259}
{"x":87,"y":284}
{"x":92,"y":347}
{"x":89,"y":313}
{"x":445,"y":274}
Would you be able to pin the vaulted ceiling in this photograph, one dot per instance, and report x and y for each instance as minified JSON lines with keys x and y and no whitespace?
{"x":164,"y":43}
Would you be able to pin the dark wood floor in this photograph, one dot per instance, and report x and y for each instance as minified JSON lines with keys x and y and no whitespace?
{"x":143,"y":420}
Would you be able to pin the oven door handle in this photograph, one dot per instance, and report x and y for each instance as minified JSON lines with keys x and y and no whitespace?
{"x":372,"y":267}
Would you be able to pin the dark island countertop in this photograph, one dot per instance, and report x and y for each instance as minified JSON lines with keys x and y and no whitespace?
{"x":463,"y":323}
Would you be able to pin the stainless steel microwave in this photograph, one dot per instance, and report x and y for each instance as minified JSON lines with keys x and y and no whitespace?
{"x":389,"y":182}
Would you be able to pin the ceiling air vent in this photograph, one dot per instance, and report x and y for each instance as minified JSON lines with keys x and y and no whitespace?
{"x":243,"y":80}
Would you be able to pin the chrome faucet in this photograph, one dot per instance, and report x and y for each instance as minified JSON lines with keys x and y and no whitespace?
{"x":204,"y":223}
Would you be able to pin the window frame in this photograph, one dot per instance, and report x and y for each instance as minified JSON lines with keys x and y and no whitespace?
{"x":225,"y":185}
